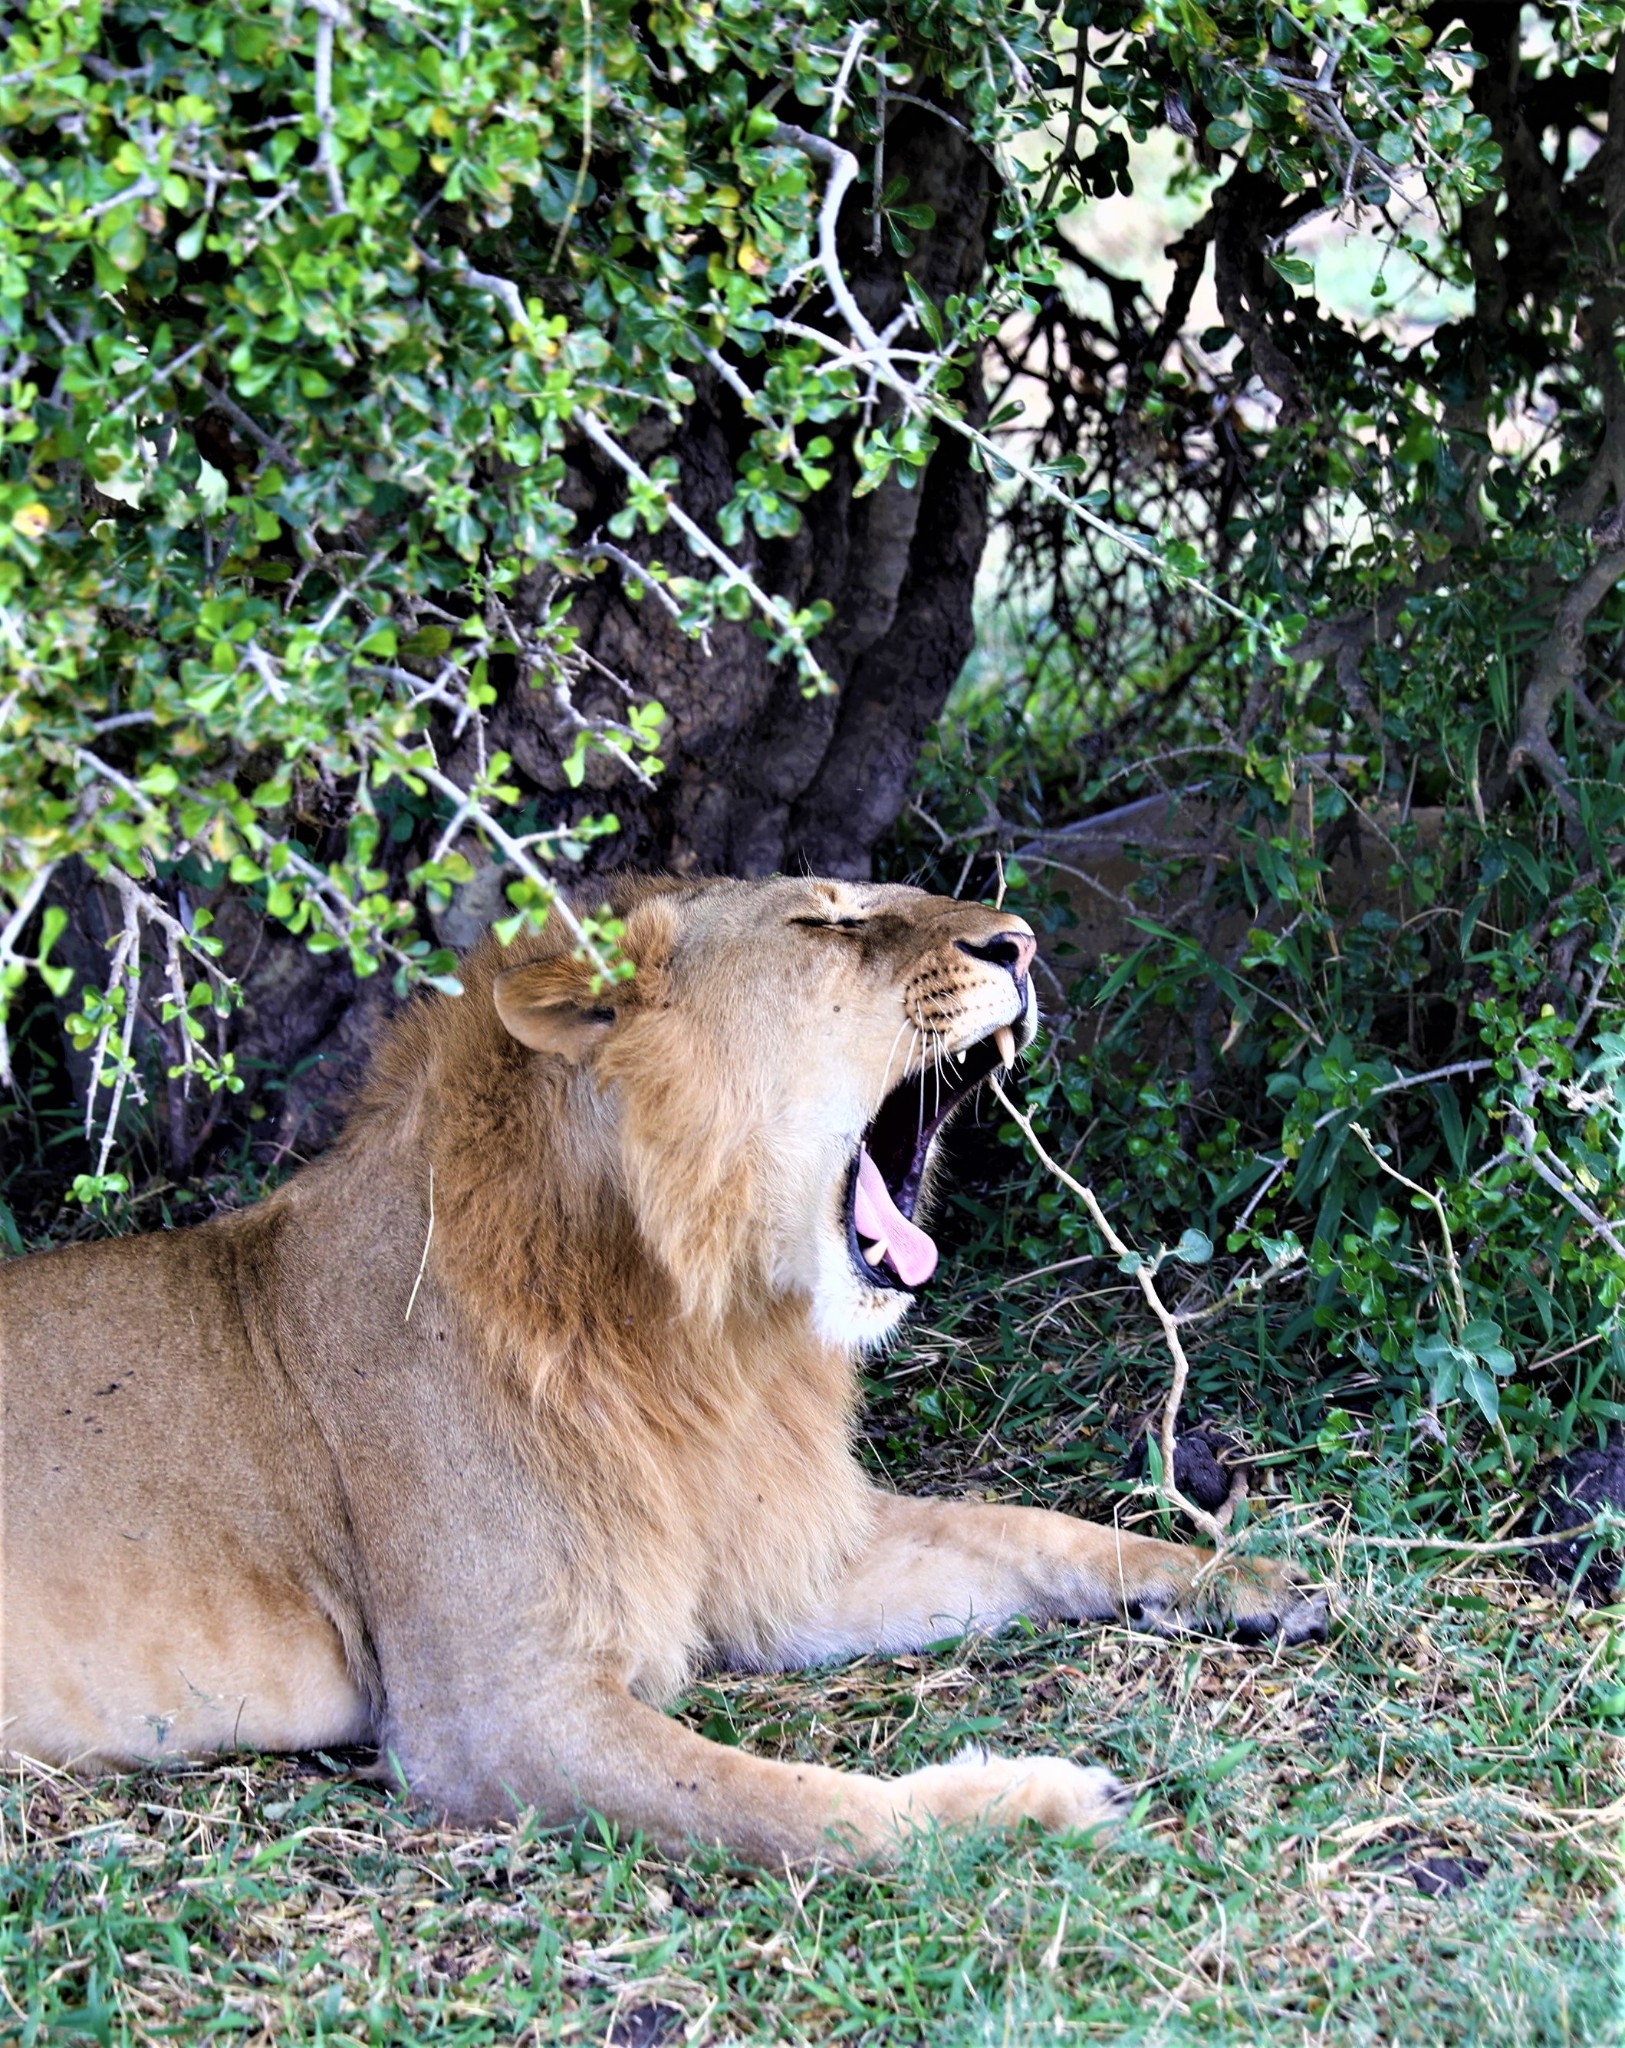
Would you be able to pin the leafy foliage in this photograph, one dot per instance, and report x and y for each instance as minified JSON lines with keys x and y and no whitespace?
{"x":302,"y":309}
{"x":1365,"y":1035}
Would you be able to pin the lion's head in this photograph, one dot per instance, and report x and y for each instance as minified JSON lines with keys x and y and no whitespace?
{"x":759,"y":1106}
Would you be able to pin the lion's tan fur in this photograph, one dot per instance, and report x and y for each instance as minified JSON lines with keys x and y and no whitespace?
{"x":479,"y":1433}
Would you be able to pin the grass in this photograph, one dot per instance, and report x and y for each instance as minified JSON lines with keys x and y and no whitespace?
{"x":1409,"y":1834}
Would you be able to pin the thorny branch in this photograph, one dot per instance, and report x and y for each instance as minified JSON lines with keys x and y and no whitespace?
{"x":874,"y":353}
{"x":702,"y":544}
{"x":113,"y":1069}
{"x":120,"y":1000}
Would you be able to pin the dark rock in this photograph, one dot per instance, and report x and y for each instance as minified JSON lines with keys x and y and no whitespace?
{"x":1580,"y":1484}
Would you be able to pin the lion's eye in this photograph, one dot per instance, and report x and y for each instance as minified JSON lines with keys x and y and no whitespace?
{"x":832,"y":924}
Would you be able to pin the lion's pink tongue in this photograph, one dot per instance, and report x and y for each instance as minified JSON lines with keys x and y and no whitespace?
{"x":910,"y":1252}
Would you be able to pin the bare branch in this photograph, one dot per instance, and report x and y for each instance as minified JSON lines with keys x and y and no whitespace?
{"x":861,"y":32}
{"x":1213,"y":1526}
{"x":328,"y":12}
{"x":224,"y":402}
{"x":1556,"y":668}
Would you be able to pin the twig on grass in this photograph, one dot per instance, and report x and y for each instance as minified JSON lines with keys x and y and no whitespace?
{"x":1506,"y":1546}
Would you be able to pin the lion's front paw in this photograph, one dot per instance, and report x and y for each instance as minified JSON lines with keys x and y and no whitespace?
{"x":977,"y":1788}
{"x":1253,"y":1601}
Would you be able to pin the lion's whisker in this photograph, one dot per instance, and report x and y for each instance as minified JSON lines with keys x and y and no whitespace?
{"x":885,"y":1079}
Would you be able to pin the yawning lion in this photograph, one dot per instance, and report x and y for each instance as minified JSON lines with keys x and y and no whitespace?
{"x":478,"y":1436}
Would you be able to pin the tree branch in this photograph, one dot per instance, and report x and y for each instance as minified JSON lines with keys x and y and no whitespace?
{"x":1555,"y":669}
{"x":1213,"y":1526}
{"x":328,"y":12}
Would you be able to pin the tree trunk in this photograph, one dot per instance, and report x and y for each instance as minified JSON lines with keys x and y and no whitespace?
{"x":758,"y":776}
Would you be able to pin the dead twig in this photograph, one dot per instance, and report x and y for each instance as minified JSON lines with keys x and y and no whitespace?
{"x":1216,"y":1525}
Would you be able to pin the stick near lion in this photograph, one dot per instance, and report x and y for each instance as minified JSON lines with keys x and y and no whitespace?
{"x":477,"y":1437}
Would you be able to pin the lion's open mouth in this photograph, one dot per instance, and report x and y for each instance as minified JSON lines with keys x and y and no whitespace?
{"x":888,"y":1247}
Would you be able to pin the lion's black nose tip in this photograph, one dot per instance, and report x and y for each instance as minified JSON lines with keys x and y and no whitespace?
{"x":1010,"y":949}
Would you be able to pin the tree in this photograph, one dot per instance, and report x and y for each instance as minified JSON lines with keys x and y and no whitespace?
{"x":380,"y":380}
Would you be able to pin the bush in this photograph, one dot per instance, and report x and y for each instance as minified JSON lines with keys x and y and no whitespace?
{"x":1410,"y":1116}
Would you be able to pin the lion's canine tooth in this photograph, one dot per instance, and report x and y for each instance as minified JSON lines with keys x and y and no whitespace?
{"x":873,"y":1254}
{"x":1005,"y":1039}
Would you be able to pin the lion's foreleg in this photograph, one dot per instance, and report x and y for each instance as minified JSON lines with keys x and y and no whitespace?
{"x":588,"y":1745}
{"x":936,"y":1568}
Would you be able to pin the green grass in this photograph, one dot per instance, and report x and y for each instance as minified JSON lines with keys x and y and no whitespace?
{"x":1264,"y":1894}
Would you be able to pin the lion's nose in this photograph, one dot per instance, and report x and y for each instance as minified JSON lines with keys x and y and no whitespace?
{"x":1011,"y":949}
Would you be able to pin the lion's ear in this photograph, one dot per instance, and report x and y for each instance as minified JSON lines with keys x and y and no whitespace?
{"x":551,"y":1006}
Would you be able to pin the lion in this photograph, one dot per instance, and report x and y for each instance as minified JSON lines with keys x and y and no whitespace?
{"x":537,"y":1393}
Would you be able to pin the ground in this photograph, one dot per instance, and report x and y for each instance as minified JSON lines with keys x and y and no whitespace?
{"x":1408,"y":1834}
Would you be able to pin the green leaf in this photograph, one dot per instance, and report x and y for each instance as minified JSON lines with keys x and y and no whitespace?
{"x":1483,"y":1391}
{"x":1294,"y":269}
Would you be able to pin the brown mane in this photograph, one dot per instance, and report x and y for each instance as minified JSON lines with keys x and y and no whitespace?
{"x":639,"y":1375}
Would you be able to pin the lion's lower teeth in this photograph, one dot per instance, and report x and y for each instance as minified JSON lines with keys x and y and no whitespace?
{"x":1005,"y":1039}
{"x":873,"y":1254}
